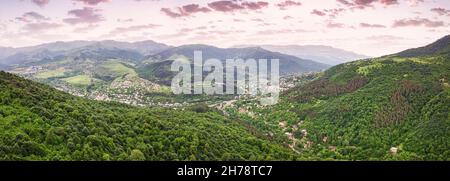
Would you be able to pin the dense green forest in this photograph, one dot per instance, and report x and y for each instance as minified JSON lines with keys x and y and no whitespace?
{"x":389,"y":108}
{"x":38,"y":122}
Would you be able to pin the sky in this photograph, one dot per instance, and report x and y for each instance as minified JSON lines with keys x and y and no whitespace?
{"x":370,"y":27}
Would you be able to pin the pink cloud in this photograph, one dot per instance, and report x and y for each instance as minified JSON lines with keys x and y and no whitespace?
{"x":441,"y":11}
{"x":345,"y":2}
{"x":366,"y":25}
{"x":255,"y":5}
{"x":186,"y":10}
{"x":332,"y":13}
{"x":31,"y":16}
{"x":92,"y":2}
{"x":85,"y":15}
{"x":335,"y":25}
{"x":230,"y":6}
{"x":222,"y":6}
{"x":415,"y":2}
{"x":318,"y":13}
{"x":41,"y":3}
{"x":361,"y":4}
{"x":417,"y":22}
{"x":287,"y":17}
{"x":225,"y":6}
{"x":125,"y":20}
{"x":285,"y":4}
{"x":388,"y":2}
{"x":257,"y":20}
{"x":169,"y":12}
{"x":194,"y":8}
{"x":38,"y":27}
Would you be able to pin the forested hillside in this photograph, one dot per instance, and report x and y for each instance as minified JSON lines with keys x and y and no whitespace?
{"x":40,"y":123}
{"x":390,"y":108}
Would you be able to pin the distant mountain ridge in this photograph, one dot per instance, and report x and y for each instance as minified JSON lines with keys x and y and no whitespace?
{"x":144,"y":47}
{"x":323,"y":54}
{"x":21,"y":55}
{"x":288,"y":63}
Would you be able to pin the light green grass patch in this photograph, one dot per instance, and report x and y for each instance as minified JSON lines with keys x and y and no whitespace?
{"x":51,"y":73}
{"x":364,"y":70}
{"x":80,"y":80}
{"x":165,"y":89}
{"x":420,"y":60}
{"x":118,"y":69}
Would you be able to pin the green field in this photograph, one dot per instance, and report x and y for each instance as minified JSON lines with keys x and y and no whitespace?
{"x":50,"y":74}
{"x":80,"y":80}
{"x":116,"y":68}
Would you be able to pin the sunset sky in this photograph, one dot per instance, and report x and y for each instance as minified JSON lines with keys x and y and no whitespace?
{"x":370,"y":27}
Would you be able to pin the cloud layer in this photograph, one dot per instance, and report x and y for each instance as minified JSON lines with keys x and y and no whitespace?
{"x":41,"y":3}
{"x":86,"y":15}
{"x":342,"y":23}
{"x":418,"y":22}
{"x":220,"y":6}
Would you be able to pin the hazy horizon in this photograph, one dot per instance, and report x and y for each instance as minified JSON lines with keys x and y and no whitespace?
{"x":359,"y":26}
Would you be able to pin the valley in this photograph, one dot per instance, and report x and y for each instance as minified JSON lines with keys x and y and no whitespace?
{"x":121,"y":107}
{"x":106,"y":71}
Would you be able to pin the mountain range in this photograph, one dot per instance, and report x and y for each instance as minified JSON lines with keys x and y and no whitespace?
{"x":108,"y":70}
{"x":12,"y":56}
{"x":144,"y":51}
{"x":288,"y":64}
{"x":319,"y":53}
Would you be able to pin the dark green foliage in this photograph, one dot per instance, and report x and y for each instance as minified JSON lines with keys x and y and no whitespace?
{"x":40,"y":123}
{"x":200,"y":108}
{"x":158,"y":72}
{"x":364,"y":110}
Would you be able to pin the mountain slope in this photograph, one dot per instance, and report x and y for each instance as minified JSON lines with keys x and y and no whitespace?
{"x":17,"y":56}
{"x":158,"y":72}
{"x":147,"y":47}
{"x":288,"y":64}
{"x":384,"y":104}
{"x":388,"y":108}
{"x":40,"y":123}
{"x":98,"y":52}
{"x":323,"y":54}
